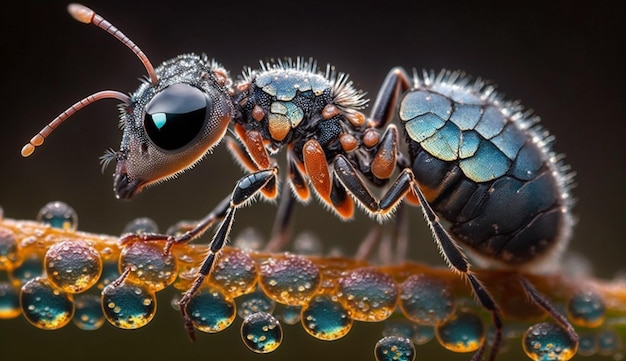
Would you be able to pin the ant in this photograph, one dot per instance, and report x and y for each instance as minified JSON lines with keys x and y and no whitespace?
{"x":474,"y":159}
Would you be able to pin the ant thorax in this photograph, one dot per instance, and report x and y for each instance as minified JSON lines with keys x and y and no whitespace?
{"x":291,"y":101}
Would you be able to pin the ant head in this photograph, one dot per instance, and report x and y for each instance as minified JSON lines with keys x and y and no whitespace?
{"x":175,"y":117}
{"x":168,"y":127}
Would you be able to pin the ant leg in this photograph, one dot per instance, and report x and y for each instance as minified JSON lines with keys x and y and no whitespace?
{"x":280,"y":230}
{"x":383,"y":111}
{"x":249,"y":151}
{"x":458,"y":262}
{"x":329,"y":189}
{"x":298,"y":190}
{"x":252,"y":155}
{"x":200,"y":227}
{"x":450,"y":250}
{"x":366,"y":247}
{"x":396,"y":192}
{"x":378,"y":169}
{"x":249,"y":160}
{"x":401,"y":234}
{"x":396,"y":245}
{"x":542,"y":302}
{"x":348,"y":176}
{"x":246,"y":188}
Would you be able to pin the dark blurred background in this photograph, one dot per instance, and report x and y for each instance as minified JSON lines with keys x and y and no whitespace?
{"x":562,"y":59}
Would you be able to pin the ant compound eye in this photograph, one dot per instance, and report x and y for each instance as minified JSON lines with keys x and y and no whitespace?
{"x":176,"y":116}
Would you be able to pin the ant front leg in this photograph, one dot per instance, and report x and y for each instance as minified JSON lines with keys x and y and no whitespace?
{"x":246,"y":189}
{"x":218,"y":213}
{"x":249,"y":151}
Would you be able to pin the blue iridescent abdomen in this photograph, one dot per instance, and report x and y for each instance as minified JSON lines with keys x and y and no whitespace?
{"x":486,"y":168}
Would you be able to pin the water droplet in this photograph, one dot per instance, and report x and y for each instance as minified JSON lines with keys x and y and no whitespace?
{"x":426,"y":299}
{"x":126,"y":304}
{"x":609,"y":342}
{"x":58,"y":215}
{"x":463,"y":332}
{"x":9,"y":255}
{"x":149,"y":264}
{"x":73,"y":266}
{"x":326,"y":319}
{"x":289,"y":279}
{"x":586,"y":309}
{"x":88,"y":315}
{"x":31,"y":267}
{"x":141,"y":225}
{"x":234,"y":272}
{"x":254,"y":302}
{"x":548,"y":342}
{"x":261,"y":332}
{"x":587,"y":344}
{"x":307,"y":244}
{"x":9,"y":301}
{"x":394,"y":348}
{"x":44,"y":306}
{"x":369,"y":294}
{"x":289,"y":314}
{"x":211,"y":310}
{"x":249,"y":240}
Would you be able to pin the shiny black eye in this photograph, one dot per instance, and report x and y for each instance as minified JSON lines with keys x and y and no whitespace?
{"x":175,"y":116}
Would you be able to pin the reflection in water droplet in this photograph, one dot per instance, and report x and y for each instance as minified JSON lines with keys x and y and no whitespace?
{"x":326,"y":319}
{"x":88,"y":315}
{"x":426,"y":299}
{"x":261,"y":332}
{"x":547,"y":341}
{"x":45,"y":306}
{"x":586,"y":309}
{"x":210,"y":310}
{"x":73,"y":266}
{"x":394,"y":348}
{"x":369,"y":294}
{"x":9,"y":301}
{"x":141,"y":225}
{"x":58,"y":215}
{"x":463,"y":332}
{"x":129,"y":305}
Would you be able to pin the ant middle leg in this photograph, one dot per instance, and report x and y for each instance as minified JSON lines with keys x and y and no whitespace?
{"x":452,"y":253}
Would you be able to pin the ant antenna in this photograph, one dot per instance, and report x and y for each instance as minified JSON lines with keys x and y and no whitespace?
{"x":86,"y":15}
{"x":38,"y":139}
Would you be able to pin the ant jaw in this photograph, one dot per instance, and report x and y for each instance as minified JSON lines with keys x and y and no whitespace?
{"x":124,"y":186}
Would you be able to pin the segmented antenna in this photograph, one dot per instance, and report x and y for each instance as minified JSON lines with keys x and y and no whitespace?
{"x":38,"y":139}
{"x":85,"y":15}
